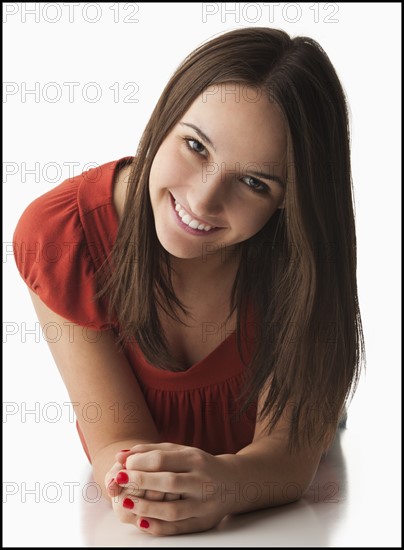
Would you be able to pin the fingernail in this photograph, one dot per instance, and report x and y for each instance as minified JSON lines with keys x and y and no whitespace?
{"x":128,"y":503}
{"x":144,"y":523}
{"x":124,"y":451}
{"x":111,"y":483}
{"x":122,"y":478}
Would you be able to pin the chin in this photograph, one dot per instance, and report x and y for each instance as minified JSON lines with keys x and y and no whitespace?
{"x":184,"y":252}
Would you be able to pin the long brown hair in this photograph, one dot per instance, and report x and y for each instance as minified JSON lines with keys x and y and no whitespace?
{"x":298,"y":271}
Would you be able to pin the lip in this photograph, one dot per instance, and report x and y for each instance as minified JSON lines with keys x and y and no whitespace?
{"x":185,"y":227}
{"x":196,"y":218}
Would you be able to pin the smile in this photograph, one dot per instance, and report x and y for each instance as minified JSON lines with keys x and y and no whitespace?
{"x":189,"y":224}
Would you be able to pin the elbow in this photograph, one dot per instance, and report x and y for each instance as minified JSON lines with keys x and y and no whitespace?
{"x":296,"y":488}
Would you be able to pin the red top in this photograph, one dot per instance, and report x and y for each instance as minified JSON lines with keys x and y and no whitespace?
{"x":60,"y":241}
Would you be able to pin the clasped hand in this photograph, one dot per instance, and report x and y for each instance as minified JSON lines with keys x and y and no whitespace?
{"x":169,"y":489}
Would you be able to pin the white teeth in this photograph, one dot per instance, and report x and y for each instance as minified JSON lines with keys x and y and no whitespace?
{"x":186,"y":218}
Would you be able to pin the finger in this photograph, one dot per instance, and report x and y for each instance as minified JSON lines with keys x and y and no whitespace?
{"x":149,"y":495}
{"x":125,"y":494}
{"x":159,"y":495}
{"x":123,"y":507}
{"x":143,"y":447}
{"x":171,"y":496}
{"x":112,"y":488}
{"x":154,"y":495}
{"x":112,"y":473}
{"x":166,"y":482}
{"x":157,"y":460}
{"x":160,"y":528}
{"x":121,"y":456}
{"x":167,"y":511}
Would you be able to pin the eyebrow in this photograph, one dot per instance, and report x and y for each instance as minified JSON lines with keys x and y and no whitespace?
{"x":271,"y":177}
{"x":207,"y":140}
{"x":200,"y":134}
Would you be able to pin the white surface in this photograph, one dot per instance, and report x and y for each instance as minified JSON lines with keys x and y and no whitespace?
{"x":42,"y":450}
{"x":353,"y":501}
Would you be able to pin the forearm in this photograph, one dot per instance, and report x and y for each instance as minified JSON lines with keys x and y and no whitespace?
{"x":104,"y":459}
{"x":265,"y":475}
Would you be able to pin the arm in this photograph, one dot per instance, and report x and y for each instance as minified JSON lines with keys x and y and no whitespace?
{"x":277,"y":477}
{"x":94,"y":371}
{"x":261,"y":475}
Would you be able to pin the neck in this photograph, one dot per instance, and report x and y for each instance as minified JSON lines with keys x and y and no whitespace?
{"x":214,"y":273}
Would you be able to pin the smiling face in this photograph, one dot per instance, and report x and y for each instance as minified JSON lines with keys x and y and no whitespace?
{"x":224,"y":163}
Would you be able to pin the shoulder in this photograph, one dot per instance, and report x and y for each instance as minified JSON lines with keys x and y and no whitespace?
{"x":63,"y":237}
{"x":76,"y":208}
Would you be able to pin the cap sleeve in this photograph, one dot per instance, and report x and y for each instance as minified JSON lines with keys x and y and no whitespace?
{"x":54,"y":259}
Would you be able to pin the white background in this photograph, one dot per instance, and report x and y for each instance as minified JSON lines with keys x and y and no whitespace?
{"x":42,"y":449}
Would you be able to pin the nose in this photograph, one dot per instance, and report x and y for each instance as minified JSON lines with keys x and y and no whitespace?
{"x":206,"y":197}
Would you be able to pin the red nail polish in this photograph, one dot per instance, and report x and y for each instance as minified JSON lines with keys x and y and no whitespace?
{"x":124,"y":451}
{"x":122,"y":478}
{"x":144,"y":523}
{"x":127,"y":503}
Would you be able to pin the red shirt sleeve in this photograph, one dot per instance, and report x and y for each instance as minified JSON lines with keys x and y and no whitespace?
{"x":54,"y":257}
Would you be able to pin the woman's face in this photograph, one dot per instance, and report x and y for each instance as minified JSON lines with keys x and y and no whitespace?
{"x":224,"y":163}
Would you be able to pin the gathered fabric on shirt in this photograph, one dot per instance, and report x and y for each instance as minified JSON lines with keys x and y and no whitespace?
{"x":61,"y":240}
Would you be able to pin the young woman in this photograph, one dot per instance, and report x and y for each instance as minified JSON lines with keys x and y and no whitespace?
{"x":206,"y":288}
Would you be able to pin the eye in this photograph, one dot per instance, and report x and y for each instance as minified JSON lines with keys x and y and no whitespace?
{"x":255,"y":185}
{"x":196,"y":146}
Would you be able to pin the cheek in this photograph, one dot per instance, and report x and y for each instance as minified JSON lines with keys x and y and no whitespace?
{"x":168,"y":169}
{"x":251,"y":220}
{"x":157,"y":170}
